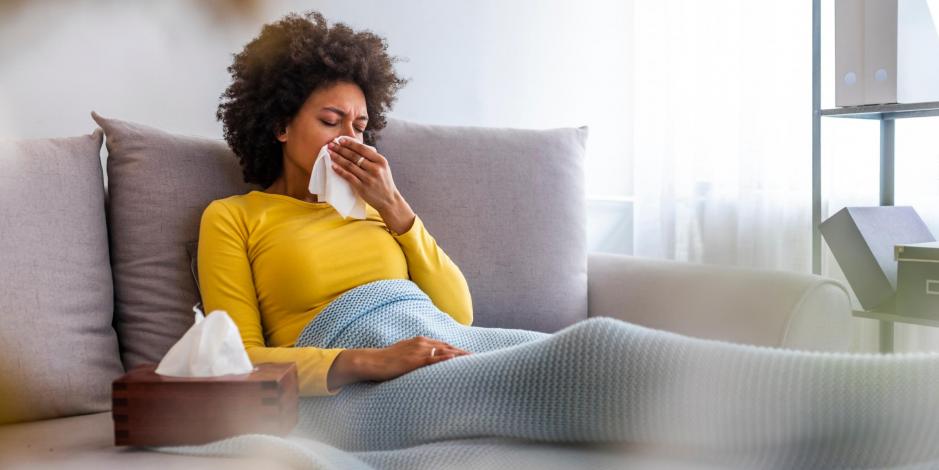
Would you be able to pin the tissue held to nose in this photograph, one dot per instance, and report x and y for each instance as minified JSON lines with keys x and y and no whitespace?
{"x":210,"y":348}
{"x":334,"y":189}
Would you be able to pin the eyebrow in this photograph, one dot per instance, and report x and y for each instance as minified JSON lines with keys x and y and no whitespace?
{"x":343,"y":114}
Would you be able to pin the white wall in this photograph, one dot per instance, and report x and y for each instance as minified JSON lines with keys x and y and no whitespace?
{"x":529,"y":64}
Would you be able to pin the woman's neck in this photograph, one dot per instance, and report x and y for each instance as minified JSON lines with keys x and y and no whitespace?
{"x":293,"y":187}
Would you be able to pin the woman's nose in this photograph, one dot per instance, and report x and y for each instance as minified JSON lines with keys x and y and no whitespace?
{"x":349,"y":131}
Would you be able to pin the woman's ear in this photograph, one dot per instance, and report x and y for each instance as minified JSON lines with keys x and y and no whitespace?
{"x":281,"y":134}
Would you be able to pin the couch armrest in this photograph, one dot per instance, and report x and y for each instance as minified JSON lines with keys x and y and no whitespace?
{"x":762,"y":307}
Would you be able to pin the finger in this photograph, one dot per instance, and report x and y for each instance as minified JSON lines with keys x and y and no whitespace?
{"x":451,"y":350}
{"x":443,"y":354}
{"x":359,"y":148}
{"x":351,"y":178}
{"x":349,"y":166}
{"x":434,"y":351}
{"x":344,"y":152}
{"x":447,"y":346}
{"x":439,"y":358}
{"x":345,"y":158}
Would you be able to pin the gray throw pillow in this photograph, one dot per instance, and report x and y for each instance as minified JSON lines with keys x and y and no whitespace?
{"x":192,"y":249}
{"x":158,"y":185}
{"x":509,"y":208}
{"x":58,"y":351}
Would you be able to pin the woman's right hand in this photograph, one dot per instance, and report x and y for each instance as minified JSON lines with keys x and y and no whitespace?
{"x":379,"y":364}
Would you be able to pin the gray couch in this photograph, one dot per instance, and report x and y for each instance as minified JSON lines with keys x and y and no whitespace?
{"x":96,"y":278}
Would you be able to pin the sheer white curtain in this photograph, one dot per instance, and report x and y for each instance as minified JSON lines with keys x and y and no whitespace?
{"x":722,"y":142}
{"x":722,"y":133}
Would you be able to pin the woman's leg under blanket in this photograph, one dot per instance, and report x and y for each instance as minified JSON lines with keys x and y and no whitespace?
{"x":604,"y":380}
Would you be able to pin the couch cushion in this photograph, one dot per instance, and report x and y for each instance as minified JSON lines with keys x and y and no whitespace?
{"x":58,"y":351}
{"x":87,"y":443}
{"x":508,"y":206}
{"x":158,"y":185}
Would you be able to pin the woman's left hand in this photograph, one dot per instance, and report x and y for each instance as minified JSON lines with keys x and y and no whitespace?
{"x":371,"y":179}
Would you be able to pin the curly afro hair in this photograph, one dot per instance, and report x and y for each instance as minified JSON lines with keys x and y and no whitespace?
{"x":278,"y":70}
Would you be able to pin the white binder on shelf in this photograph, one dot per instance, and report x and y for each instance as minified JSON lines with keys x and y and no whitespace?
{"x":894,"y":46}
{"x":880,"y":51}
{"x":849,"y":53}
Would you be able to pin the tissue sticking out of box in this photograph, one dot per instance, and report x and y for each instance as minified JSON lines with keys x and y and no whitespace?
{"x":210,"y":348}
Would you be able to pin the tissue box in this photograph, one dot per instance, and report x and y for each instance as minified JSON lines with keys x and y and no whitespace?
{"x":918,"y":280}
{"x":149,"y":409}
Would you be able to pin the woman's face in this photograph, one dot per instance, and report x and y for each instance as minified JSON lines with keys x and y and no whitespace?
{"x":328,"y":113}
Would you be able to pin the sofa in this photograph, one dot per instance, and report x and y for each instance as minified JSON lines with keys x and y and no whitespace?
{"x":98,"y":268}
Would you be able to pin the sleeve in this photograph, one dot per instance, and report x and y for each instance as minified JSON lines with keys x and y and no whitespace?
{"x":226,"y":283}
{"x":435,"y":273}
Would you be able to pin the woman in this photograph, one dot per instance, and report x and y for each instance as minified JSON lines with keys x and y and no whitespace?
{"x":274,"y":259}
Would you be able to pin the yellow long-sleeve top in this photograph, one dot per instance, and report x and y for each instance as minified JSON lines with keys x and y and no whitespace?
{"x":274,"y":262}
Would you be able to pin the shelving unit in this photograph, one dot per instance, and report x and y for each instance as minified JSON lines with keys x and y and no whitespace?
{"x":886,"y":111}
{"x":887,"y":114}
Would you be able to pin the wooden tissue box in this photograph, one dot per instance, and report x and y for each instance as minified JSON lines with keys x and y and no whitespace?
{"x":155,"y":410}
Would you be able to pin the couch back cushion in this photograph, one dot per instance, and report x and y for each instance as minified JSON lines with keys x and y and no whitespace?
{"x":158,"y":185}
{"x":58,"y":351}
{"x":508,"y":206}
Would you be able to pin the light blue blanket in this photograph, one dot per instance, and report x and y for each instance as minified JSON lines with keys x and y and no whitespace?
{"x":600,"y":381}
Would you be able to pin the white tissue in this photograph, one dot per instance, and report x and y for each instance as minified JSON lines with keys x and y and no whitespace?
{"x":211,"y":347}
{"x":334,"y":189}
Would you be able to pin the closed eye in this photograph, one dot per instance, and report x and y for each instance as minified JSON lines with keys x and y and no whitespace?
{"x":333,"y":124}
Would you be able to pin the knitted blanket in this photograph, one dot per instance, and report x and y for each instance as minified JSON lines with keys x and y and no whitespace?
{"x":601,"y":381}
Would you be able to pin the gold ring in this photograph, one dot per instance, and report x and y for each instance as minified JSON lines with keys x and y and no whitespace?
{"x":359,"y":161}
{"x":433,"y":351}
